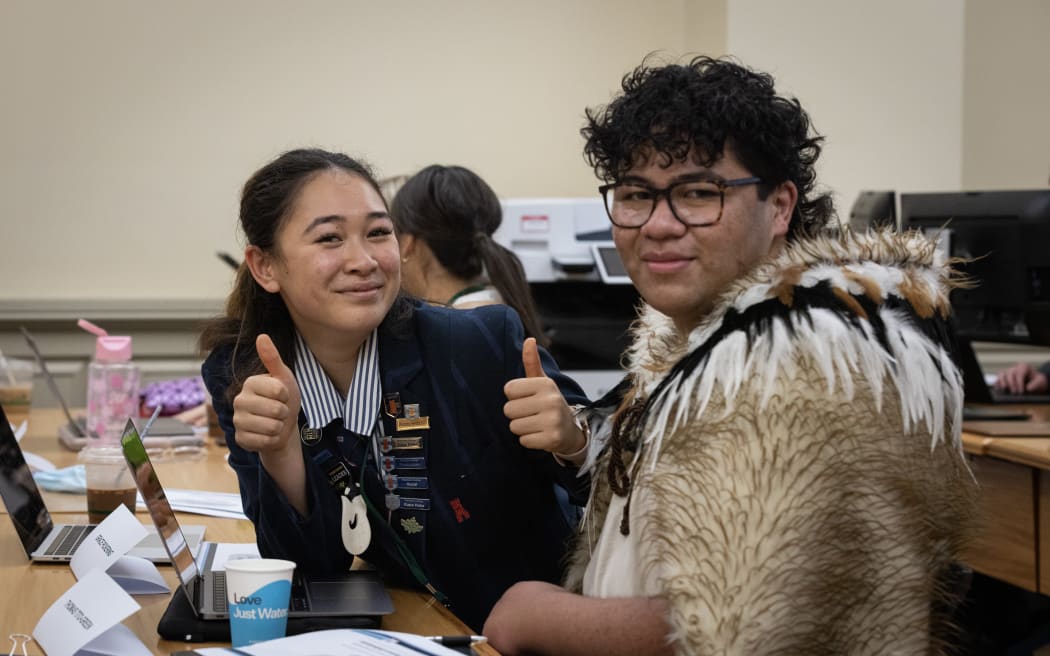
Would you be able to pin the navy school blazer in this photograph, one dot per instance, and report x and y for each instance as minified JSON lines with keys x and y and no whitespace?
{"x":493,"y":518}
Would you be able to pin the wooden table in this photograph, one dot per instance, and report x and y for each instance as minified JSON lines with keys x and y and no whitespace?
{"x":27,"y":590}
{"x":1013,"y":539}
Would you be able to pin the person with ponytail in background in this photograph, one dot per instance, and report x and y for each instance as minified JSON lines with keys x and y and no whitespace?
{"x":445,"y":217}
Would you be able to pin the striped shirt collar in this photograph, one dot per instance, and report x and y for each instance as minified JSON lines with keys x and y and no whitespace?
{"x":323,"y":403}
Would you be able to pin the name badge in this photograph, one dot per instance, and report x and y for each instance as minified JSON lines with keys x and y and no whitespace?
{"x":394,"y":482}
{"x":388,"y":444}
{"x":419,"y":423}
{"x":391,"y":462}
{"x":412,"y":503}
{"x":394,"y":502}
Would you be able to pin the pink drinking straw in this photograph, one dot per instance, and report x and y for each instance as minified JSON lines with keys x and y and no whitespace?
{"x":92,"y":328}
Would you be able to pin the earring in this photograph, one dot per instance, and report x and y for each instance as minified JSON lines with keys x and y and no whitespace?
{"x":404,"y":260}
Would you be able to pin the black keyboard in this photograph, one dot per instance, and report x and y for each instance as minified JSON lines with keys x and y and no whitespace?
{"x":985,"y":413}
{"x":299,"y":601}
{"x":999,"y":396}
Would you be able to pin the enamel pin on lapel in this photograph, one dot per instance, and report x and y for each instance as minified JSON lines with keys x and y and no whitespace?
{"x":310,"y":436}
{"x":392,"y":404}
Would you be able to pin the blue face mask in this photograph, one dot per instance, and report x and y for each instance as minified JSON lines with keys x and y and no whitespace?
{"x":68,"y":479}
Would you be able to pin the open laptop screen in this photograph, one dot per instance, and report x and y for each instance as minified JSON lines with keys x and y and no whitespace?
{"x":160,"y":511}
{"x":19,"y":491}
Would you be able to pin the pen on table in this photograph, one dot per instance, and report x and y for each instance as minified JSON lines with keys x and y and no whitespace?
{"x":458,"y":640}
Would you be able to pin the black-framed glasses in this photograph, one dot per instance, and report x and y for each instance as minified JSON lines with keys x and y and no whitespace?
{"x":695,"y":203}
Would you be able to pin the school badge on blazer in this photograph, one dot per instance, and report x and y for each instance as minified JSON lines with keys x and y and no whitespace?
{"x":310,"y":436}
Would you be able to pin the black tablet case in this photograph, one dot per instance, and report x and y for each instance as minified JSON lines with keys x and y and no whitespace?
{"x":181,"y":624}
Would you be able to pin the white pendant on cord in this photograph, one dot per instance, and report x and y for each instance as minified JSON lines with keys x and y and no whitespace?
{"x":354,"y":527}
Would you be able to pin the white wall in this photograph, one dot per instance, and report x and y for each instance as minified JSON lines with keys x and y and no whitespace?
{"x":883,"y":81}
{"x":129,"y":126}
{"x":1006,"y":115}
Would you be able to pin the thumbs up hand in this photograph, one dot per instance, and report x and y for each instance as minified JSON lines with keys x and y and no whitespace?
{"x":537,"y":411}
{"x":266,"y":412}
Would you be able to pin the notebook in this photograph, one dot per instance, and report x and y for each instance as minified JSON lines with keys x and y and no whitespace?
{"x":976,"y":388}
{"x":42,"y":539}
{"x":203,"y":579}
{"x":166,"y":432}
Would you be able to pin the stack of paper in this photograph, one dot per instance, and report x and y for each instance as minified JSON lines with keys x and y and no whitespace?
{"x":341,"y":642}
{"x":200,"y":502}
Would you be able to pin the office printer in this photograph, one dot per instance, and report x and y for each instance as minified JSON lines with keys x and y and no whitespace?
{"x":585,"y":300}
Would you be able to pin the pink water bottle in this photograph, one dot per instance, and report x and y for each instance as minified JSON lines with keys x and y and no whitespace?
{"x":112,"y":386}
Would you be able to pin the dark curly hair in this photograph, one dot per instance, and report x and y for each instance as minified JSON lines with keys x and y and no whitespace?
{"x":698,"y":109}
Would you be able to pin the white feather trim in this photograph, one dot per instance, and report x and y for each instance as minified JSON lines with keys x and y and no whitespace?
{"x":843,"y":353}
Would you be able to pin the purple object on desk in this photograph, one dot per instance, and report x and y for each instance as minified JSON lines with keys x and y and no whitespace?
{"x":172,"y":396}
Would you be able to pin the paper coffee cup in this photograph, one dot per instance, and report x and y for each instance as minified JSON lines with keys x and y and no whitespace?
{"x":258,"y":591}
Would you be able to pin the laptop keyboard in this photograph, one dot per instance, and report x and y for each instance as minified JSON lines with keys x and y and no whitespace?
{"x":219,"y":590}
{"x":298,"y":602}
{"x":68,"y":539}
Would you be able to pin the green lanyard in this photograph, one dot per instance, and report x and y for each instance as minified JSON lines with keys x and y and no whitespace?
{"x":466,"y":290}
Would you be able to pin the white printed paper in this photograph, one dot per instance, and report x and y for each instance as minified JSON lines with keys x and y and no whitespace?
{"x":138,"y":576}
{"x":226,"y":551}
{"x":110,"y":540}
{"x":118,"y":641}
{"x":201,"y":502}
{"x":93,"y":606}
{"x":341,"y":642}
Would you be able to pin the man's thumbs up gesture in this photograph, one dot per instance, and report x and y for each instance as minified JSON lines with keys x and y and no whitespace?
{"x":538,"y":413}
{"x":266,"y":412}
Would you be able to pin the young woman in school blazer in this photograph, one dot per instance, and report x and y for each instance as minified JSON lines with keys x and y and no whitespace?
{"x":361,"y":421}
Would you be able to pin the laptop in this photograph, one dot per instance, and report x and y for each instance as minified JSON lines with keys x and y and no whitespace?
{"x":165,"y":432}
{"x":203,"y":580}
{"x":976,"y":388}
{"x":42,"y":539}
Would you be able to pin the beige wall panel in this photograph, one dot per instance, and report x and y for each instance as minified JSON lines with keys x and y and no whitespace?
{"x":128,"y":126}
{"x":1006,"y":129}
{"x":881,"y":80}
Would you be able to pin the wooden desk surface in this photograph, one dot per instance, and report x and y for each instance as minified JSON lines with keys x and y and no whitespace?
{"x":27,"y":590}
{"x":1031,"y":451}
{"x":1013,"y":523}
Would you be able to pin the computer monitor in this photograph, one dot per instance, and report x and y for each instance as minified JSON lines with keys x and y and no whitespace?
{"x":1002,"y":238}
